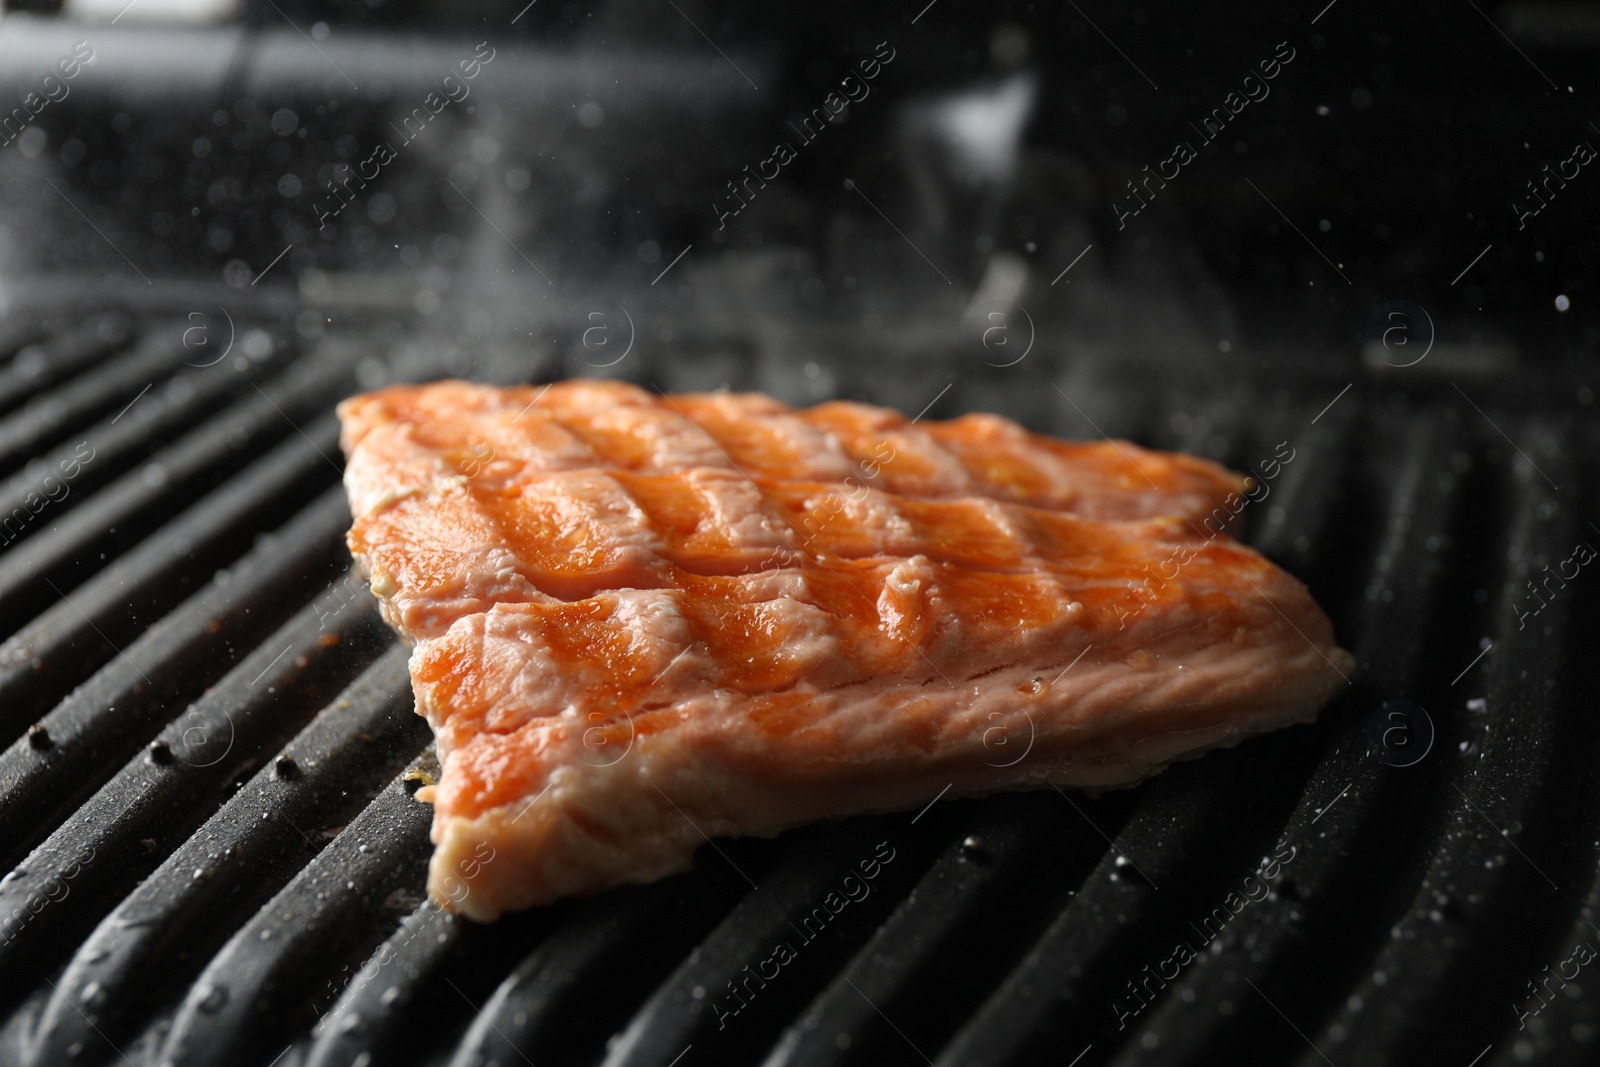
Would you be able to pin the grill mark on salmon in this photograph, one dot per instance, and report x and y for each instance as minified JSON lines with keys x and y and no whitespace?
{"x":773,"y":631}
{"x":428,"y":434}
{"x":570,"y":535}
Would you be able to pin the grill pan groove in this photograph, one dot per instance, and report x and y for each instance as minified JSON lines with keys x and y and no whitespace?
{"x":235,"y":911}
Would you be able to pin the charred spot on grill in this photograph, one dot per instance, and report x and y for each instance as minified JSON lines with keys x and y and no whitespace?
{"x":39,"y":737}
{"x":160,"y":752}
{"x":285,"y":768}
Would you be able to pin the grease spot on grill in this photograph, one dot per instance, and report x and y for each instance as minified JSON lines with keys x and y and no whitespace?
{"x":285,"y":768}
{"x":39,"y":737}
{"x":403,"y":900}
{"x":160,"y":752}
{"x":212,"y":998}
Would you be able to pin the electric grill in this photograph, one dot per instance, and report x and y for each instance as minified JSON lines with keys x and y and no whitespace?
{"x":206,"y":806}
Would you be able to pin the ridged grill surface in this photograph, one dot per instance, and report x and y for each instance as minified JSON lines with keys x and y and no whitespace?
{"x":215,"y":856}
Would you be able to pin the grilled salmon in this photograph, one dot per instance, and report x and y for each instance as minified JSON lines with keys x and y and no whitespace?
{"x":640,"y":621}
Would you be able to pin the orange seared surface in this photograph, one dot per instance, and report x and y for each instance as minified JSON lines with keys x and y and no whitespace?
{"x":771,"y":614}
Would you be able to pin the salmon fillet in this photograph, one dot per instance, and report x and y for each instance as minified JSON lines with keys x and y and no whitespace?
{"x":642,"y":620}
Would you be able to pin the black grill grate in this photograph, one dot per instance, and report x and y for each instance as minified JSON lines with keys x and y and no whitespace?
{"x":216,"y":858}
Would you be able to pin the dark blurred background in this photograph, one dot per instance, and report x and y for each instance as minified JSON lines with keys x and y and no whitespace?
{"x":1336,"y":226}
